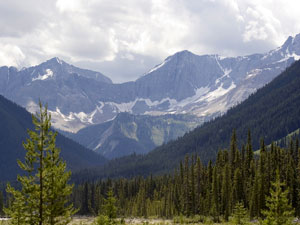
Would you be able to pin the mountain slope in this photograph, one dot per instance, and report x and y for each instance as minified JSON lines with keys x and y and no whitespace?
{"x":271,"y":113}
{"x":205,"y":86}
{"x":128,"y":133}
{"x":63,"y":86}
{"x":14,"y":122}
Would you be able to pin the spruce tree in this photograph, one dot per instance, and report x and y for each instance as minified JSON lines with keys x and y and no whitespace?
{"x":255,"y":198}
{"x":238,"y":192}
{"x":262,"y":175}
{"x":84,"y":209}
{"x":109,"y":214}
{"x":1,"y":203}
{"x":239,"y":215}
{"x":43,"y":197}
{"x":215,"y":209}
{"x":280,"y":211}
{"x":232,"y":153}
{"x":226,"y":192}
{"x":110,"y":208}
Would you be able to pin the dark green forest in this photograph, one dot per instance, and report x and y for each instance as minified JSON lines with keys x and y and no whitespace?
{"x":14,"y":123}
{"x":237,"y":176}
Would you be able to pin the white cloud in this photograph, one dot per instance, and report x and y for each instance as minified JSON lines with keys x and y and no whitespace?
{"x":70,"y":5}
{"x":108,"y":35}
{"x":11,"y":55}
{"x":261,"y":23}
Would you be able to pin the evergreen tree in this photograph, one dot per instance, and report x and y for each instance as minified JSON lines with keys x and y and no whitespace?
{"x":57,"y":188}
{"x":255,"y":198}
{"x":109,"y":214}
{"x":141,"y":201}
{"x":192,"y":191}
{"x":226,"y":192}
{"x":187,"y":188}
{"x":238,"y":194}
{"x":199,"y":179}
{"x":249,"y":154}
{"x":296,"y":151}
{"x":279,"y":211}
{"x":262,"y":191}
{"x":215,"y":210}
{"x":239,"y":215}
{"x":110,"y":208}
{"x":17,"y":207}
{"x":233,"y":150}
{"x":84,"y":209}
{"x":44,"y":193}
{"x":1,"y":203}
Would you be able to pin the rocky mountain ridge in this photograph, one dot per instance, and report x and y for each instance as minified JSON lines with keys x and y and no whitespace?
{"x":205,"y":86}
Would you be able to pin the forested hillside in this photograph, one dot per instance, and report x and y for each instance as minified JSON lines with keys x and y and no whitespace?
{"x":14,"y":123}
{"x":238,"y":178}
{"x":271,"y":113}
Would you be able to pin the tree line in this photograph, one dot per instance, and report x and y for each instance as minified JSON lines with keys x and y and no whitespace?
{"x":238,"y":176}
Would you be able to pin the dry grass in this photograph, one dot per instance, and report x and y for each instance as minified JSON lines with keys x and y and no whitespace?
{"x":82,"y":220}
{"x":130,"y":221}
{"x":3,"y":221}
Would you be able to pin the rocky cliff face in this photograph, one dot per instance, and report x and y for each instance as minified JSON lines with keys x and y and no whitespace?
{"x":205,"y":86}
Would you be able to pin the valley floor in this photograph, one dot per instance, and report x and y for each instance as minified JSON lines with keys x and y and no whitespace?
{"x":136,"y":221}
{"x":142,"y":221}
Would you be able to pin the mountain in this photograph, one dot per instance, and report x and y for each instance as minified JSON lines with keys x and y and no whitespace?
{"x":271,"y":113}
{"x":14,"y":122}
{"x":62,"y":86}
{"x":129,"y":133}
{"x":205,"y":86}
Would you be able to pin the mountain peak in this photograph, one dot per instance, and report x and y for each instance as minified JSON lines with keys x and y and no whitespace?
{"x":288,"y":41}
{"x":183,"y":56}
{"x":184,"y":53}
{"x":292,"y":44}
{"x":297,"y":38}
{"x":55,"y":60}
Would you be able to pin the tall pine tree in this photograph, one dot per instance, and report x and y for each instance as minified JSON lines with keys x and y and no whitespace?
{"x":43,"y":198}
{"x":279,"y":211}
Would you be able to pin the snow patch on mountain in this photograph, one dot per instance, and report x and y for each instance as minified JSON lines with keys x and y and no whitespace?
{"x":226,"y":74}
{"x":220,"y":91}
{"x":82,"y":116}
{"x":58,"y":60}
{"x":199,"y":93}
{"x":253,"y":73}
{"x":47,"y":75}
{"x":295,"y":56}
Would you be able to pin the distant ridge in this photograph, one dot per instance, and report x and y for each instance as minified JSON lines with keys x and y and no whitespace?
{"x":129,"y":133}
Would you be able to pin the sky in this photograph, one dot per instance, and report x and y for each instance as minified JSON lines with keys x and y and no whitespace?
{"x":123,"y":39}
